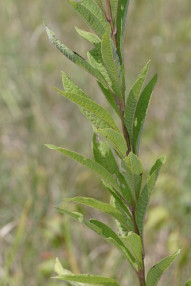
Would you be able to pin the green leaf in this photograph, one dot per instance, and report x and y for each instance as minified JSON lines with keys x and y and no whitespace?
{"x":96,"y":114}
{"x":89,"y":279}
{"x":114,"y":5}
{"x":95,"y":58}
{"x":103,"y":155}
{"x":132,"y":100}
{"x":105,"y":231}
{"x":121,"y":23}
{"x":74,"y":57}
{"x":104,"y":207}
{"x":188,"y":283}
{"x":62,"y":271}
{"x":70,"y":86}
{"x":91,"y":14}
{"x":116,"y":139}
{"x":91,"y":164}
{"x":134,"y":245}
{"x":146,"y":192}
{"x":90,"y":37}
{"x":133,"y":174}
{"x":156,"y":271}
{"x":112,"y":64}
{"x":110,"y":97}
{"x":140,"y":113}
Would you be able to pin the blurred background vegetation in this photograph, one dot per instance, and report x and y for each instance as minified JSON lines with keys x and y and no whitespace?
{"x":33,"y":180}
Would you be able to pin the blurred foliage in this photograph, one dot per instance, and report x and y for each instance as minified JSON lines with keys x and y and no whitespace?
{"x":33,"y":180}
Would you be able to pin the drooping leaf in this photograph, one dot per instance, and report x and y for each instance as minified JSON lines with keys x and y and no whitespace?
{"x":97,"y":115}
{"x":112,"y":64}
{"x":104,"y":207}
{"x":105,"y":231}
{"x":91,"y":14}
{"x":156,"y":271}
{"x":109,"y":95}
{"x":116,"y":139}
{"x":133,"y":172}
{"x":140,"y":113}
{"x":89,"y":279}
{"x":146,"y":192}
{"x":90,"y":37}
{"x":74,"y":57}
{"x":132,"y":100}
{"x":91,"y":164}
{"x":121,"y":23}
{"x":133,"y":243}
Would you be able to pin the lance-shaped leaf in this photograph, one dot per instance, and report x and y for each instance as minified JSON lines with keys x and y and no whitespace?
{"x":116,"y":139}
{"x":114,"y":6}
{"x":132,"y":100}
{"x":58,"y":268}
{"x":104,"y":207}
{"x":71,"y":87}
{"x":112,"y":64}
{"x":146,"y":192}
{"x":90,"y":37}
{"x":95,"y":58}
{"x":140,"y":113}
{"x":97,"y":115}
{"x":88,"y":279}
{"x":133,"y":172}
{"x":133,"y":243}
{"x":105,"y":231}
{"x":91,"y":14}
{"x":109,"y":95}
{"x":74,"y":57}
{"x":91,"y":164}
{"x":157,"y":270}
{"x":121,"y":23}
{"x":103,"y":155}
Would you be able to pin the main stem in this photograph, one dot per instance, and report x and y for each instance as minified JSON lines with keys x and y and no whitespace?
{"x":121,"y":105}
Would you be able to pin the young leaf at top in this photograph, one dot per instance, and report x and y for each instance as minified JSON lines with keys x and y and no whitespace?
{"x":74,"y":57}
{"x":121,"y":23}
{"x":132,"y":100}
{"x":140,"y":113}
{"x":156,"y":271}
{"x":146,"y":192}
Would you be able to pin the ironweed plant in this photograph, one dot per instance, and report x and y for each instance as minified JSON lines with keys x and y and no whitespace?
{"x":115,"y":148}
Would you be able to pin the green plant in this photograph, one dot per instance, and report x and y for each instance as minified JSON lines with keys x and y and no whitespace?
{"x":115,"y":149}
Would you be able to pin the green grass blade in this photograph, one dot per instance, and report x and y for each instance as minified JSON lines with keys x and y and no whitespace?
{"x":144,"y":197}
{"x":157,"y":270}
